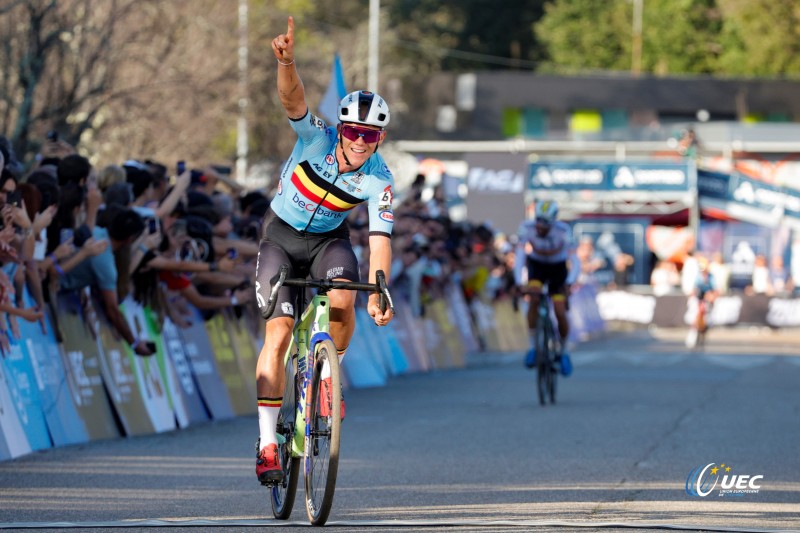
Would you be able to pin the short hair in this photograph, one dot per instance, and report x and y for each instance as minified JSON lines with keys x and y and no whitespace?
{"x":140,"y":178}
{"x":249,"y":199}
{"x":158,"y":171}
{"x":125,"y":223}
{"x":48,"y":187}
{"x":73,"y":168}
{"x":206,"y":212}
{"x":118,"y":194}
{"x":110,"y":175}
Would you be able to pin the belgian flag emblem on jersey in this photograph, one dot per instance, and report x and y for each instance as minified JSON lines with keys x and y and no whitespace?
{"x":314,"y":188}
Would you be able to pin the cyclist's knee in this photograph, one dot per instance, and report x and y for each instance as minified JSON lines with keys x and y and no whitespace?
{"x":342,"y":304}
{"x":278,"y":331}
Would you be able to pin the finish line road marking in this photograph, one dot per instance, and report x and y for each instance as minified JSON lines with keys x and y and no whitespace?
{"x":223,"y":523}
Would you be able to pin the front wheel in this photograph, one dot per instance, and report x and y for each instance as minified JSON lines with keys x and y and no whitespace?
{"x":322,"y":434}
{"x":283,"y":494}
{"x":542,"y":362}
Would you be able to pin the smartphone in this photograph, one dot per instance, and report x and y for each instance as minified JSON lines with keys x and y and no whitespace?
{"x":181,"y":167}
{"x":152,"y":225}
{"x":151,"y":346}
{"x":52,"y":136}
{"x":232,"y":253}
{"x":66,"y":234}
{"x":14,"y":198}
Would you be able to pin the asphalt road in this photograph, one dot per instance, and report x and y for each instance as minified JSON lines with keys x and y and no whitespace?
{"x":472,"y":449}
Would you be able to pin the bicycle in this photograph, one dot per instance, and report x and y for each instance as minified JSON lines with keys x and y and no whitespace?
{"x":303,"y":433}
{"x":696,"y":338}
{"x":547,"y":345}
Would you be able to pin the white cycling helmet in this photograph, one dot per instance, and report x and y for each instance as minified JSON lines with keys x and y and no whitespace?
{"x":546,"y":211}
{"x":364,"y":107}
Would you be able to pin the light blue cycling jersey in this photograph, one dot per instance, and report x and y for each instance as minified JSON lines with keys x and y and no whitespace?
{"x":558,"y":240}
{"x":313,"y":196}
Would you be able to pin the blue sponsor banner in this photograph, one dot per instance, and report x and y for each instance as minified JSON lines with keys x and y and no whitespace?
{"x":24,"y":391}
{"x":63,"y":420}
{"x":743,"y":190}
{"x":569,"y":176}
{"x":713,"y":184}
{"x":764,"y":196}
{"x":582,"y":176}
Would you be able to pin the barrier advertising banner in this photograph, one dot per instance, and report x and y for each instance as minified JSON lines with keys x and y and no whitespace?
{"x":118,"y":373}
{"x":409,"y":334}
{"x":197,"y":346}
{"x":184,"y":382}
{"x":63,"y":421}
{"x":244,"y":350}
{"x":82,"y":364}
{"x":359,"y":365}
{"x":13,"y":440}
{"x":228,"y":367}
{"x":22,"y":384}
{"x":150,"y":371}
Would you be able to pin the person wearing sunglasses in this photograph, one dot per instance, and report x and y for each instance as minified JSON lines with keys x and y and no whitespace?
{"x":547,"y":247}
{"x":330,"y":171}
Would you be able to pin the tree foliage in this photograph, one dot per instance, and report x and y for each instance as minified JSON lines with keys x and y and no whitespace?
{"x":718,"y":37}
{"x":148,"y":78}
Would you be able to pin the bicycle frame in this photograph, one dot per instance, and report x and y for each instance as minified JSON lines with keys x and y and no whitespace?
{"x":547,"y":345}
{"x":312,"y":327}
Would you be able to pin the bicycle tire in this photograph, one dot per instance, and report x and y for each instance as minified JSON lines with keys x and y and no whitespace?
{"x":283,"y":495}
{"x":552,"y":370}
{"x":322,"y":437}
{"x":542,"y":361}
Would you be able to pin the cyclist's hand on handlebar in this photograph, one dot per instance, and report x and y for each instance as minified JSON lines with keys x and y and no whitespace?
{"x":283,"y":44}
{"x":374,"y":310}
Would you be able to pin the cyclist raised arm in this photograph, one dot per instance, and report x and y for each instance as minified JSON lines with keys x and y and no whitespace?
{"x":329,"y":172}
{"x":547,"y":245}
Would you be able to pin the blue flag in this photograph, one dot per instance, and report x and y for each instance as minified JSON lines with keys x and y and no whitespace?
{"x":329,"y":105}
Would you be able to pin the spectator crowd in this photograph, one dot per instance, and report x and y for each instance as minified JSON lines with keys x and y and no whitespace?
{"x":167,"y":239}
{"x":136,"y":230}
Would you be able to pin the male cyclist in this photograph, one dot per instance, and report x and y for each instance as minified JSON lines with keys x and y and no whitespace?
{"x":547,"y":245}
{"x":330,"y":171}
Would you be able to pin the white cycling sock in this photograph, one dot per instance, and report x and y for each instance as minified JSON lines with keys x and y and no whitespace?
{"x":268,"y":409}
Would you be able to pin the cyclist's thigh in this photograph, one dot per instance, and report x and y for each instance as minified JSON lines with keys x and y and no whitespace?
{"x":336,"y":260}
{"x":556,"y":280}
{"x":270,"y":258}
{"x":536,"y":277}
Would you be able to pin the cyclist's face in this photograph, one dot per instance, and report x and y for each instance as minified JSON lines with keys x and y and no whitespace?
{"x":542,"y":228}
{"x":359,"y":142}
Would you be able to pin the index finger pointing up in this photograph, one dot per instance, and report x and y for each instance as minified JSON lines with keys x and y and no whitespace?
{"x":290,"y":29}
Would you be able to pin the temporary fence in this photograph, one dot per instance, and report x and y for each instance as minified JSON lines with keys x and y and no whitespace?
{"x":77,"y":381}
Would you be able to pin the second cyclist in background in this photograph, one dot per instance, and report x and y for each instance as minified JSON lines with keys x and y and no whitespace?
{"x":547,"y":245}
